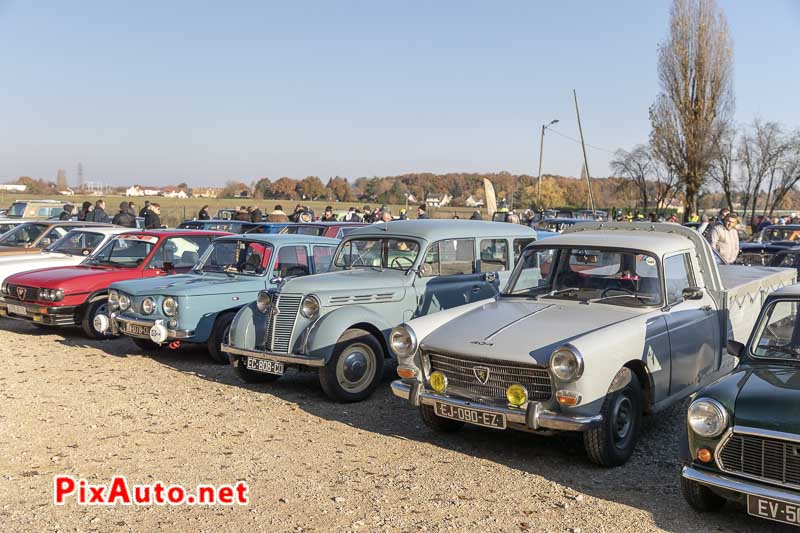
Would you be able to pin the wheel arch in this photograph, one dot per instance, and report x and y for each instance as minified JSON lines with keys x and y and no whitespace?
{"x":645,"y":380}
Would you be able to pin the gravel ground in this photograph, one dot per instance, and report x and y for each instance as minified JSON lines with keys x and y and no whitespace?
{"x":98,"y":409}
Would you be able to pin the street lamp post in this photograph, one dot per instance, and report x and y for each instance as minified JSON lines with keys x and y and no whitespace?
{"x":541,"y":150}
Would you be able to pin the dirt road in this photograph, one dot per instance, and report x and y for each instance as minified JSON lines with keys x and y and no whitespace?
{"x":99,"y":409}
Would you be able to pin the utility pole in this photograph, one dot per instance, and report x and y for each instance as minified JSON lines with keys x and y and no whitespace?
{"x":541,"y":150}
{"x":585,"y":160}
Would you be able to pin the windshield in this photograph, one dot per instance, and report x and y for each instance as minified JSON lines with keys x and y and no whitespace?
{"x":17,"y":209}
{"x":301,"y":229}
{"x":775,"y":234}
{"x":237,"y":257}
{"x":23,"y":235}
{"x":123,"y":252}
{"x":76,"y":242}
{"x":399,"y":254}
{"x":594,"y":275}
{"x":778,"y":335}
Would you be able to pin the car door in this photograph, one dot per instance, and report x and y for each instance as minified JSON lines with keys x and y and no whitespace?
{"x":292,"y":260}
{"x":448,"y":276}
{"x":693,"y":326}
{"x":494,"y":260}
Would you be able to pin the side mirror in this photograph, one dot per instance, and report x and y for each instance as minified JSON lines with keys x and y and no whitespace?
{"x":735,"y":348}
{"x":692,"y":293}
{"x":277,"y":280}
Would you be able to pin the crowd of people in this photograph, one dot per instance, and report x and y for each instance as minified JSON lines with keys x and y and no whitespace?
{"x":126,"y":216}
{"x":303,"y":213}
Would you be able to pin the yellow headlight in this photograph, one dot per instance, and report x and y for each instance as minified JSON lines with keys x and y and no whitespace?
{"x":516,"y":394}
{"x":438,"y":382}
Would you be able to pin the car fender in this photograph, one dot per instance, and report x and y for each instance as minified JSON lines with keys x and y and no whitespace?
{"x":322,"y":335}
{"x":247,"y":331}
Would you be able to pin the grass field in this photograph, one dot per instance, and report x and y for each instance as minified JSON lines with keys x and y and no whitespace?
{"x":174,"y":210}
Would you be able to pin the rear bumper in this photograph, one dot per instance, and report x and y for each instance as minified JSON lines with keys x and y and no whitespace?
{"x":533,"y":417}
{"x":303,"y":360}
{"x":118,"y":324}
{"x":737,"y":486}
{"x":41,"y":314}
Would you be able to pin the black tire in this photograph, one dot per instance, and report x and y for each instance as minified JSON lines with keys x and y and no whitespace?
{"x":699,"y":497}
{"x":218,"y":336}
{"x":437,"y":423}
{"x":355,"y":369}
{"x":251,"y":376}
{"x":613,"y":441}
{"x":87,"y":322}
{"x":146,"y":344}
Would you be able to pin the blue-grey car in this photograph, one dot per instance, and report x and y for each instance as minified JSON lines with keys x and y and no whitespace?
{"x":382,"y":275}
{"x":198,"y":306}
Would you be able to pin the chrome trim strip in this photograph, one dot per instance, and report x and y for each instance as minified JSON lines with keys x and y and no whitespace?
{"x":768,"y":433}
{"x":735,"y":485}
{"x":292,"y":359}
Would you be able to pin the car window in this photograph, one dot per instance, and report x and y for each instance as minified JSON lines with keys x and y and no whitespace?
{"x":322,"y":257}
{"x":23,"y":235}
{"x":77,"y":242}
{"x":494,"y":255}
{"x":299,"y":229}
{"x":399,"y":254}
{"x":43,"y":212}
{"x":777,"y":335}
{"x":181,"y":252}
{"x":677,"y":276}
{"x":519,"y":245}
{"x":291,"y":261}
{"x":123,"y":252}
{"x":241,"y":257}
{"x":52,"y":236}
{"x":17,"y":209}
{"x":450,"y":257}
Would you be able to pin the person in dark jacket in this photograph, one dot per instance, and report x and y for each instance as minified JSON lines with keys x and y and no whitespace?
{"x":328,"y":215}
{"x":203,"y":214}
{"x":256,"y":215}
{"x":369,"y":216}
{"x":66,"y":214}
{"x":152,"y":220}
{"x":422,"y":212}
{"x":124,"y":217}
{"x":143,"y":212}
{"x":132,"y":209}
{"x":99,"y":213}
{"x":476,"y":215}
{"x":86,"y":208}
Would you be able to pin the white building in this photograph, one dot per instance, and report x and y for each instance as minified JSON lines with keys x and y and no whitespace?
{"x":134,"y":191}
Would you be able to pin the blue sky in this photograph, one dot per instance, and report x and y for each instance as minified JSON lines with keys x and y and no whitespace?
{"x":158,"y":92}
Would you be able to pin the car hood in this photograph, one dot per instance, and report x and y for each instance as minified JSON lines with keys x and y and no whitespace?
{"x":769,"y":397}
{"x":74,"y":279}
{"x":523,"y":330}
{"x":191,"y":285}
{"x":359,"y":285}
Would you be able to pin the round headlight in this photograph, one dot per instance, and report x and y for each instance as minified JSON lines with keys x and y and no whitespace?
{"x":124,"y":302}
{"x":516,"y":395}
{"x":310,"y":306}
{"x":263,"y":300}
{"x":44,"y":294}
{"x":113,"y":299}
{"x":403,"y":341}
{"x":707,"y":417}
{"x":148,"y":306}
{"x":438,"y":382}
{"x":57,"y":295}
{"x":170,"y":306}
{"x":4,"y":288}
{"x":566,"y":363}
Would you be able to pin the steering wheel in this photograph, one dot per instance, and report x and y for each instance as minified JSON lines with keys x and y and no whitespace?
{"x":398,"y":260}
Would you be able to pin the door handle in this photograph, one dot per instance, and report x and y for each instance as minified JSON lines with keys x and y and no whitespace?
{"x":476,"y":288}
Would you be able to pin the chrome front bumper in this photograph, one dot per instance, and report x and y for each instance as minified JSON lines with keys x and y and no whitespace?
{"x":51,"y":315}
{"x":732,"y":484}
{"x":534,"y":417}
{"x":292,"y":359}
{"x":116,"y":321}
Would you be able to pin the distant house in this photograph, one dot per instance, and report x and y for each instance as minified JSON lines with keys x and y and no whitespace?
{"x":152,"y":192}
{"x":207,"y":192}
{"x":67,"y":192}
{"x":472,"y":201}
{"x":134,"y":191}
{"x":438,"y":202}
{"x":13,"y":188}
{"x":172,"y":192}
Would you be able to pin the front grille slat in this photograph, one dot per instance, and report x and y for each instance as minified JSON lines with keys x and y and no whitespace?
{"x":764,"y":458}
{"x":280,"y":327}
{"x":462,"y":380}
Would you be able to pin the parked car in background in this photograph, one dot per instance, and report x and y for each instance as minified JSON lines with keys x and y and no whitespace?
{"x":71,"y":249}
{"x":7,"y":224}
{"x":767,"y":243}
{"x":35,"y":209}
{"x":32,"y":237}
{"x":334,"y":230}
{"x":598,"y":326}
{"x":382,"y":275}
{"x":743,"y":435}
{"x":74,"y":295}
{"x":787,"y":258}
{"x":199,"y":306}
{"x":558,"y":225}
{"x":74,"y":218}
{"x":232,"y":226}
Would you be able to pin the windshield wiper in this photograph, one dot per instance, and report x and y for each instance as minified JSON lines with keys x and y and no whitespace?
{"x":787,"y":349}
{"x":631,"y":295}
{"x":559,"y":291}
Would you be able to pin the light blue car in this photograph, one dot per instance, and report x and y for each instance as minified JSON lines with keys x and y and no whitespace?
{"x":198,"y":306}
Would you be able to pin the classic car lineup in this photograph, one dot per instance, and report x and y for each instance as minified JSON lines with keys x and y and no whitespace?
{"x":583,"y":331}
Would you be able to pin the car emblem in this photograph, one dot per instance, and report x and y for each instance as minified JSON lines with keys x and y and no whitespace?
{"x":482,"y":343}
{"x":21,"y":293}
{"x":481,"y":374}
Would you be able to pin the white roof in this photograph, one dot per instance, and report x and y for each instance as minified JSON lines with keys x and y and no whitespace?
{"x":655,"y":242}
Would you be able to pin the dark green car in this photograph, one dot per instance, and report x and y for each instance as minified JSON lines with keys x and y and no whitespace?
{"x":744,"y":430}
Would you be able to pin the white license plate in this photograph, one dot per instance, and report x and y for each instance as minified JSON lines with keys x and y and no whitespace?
{"x":264,"y":366}
{"x":17,"y":309}
{"x":776,"y":510}
{"x":471,"y":416}
{"x":137,"y":331}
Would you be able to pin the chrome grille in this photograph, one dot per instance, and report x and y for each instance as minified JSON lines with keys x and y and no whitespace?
{"x":280,"y":327}
{"x":758,"y":259}
{"x":30,"y":294}
{"x":763,"y":458}
{"x":461,"y":377}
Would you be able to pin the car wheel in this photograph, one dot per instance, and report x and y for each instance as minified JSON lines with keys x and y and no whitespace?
{"x":437,"y":423}
{"x":219,"y":336}
{"x":699,"y":497}
{"x":613,"y":441}
{"x":98,"y":307}
{"x":251,"y":376}
{"x":355,"y":368}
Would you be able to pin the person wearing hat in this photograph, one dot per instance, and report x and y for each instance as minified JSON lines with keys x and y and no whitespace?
{"x":328,"y":215}
{"x":403,"y":214}
{"x":66,"y":214}
{"x":422,"y":213}
{"x":124,"y":217}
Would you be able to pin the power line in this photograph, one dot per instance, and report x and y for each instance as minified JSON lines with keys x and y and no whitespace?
{"x":573,"y":139}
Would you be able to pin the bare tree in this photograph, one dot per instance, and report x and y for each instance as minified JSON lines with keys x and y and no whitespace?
{"x":760,"y":149}
{"x":785,"y":173}
{"x":666,"y":184}
{"x":635,"y":166}
{"x":723,"y":164}
{"x":695,"y":66}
